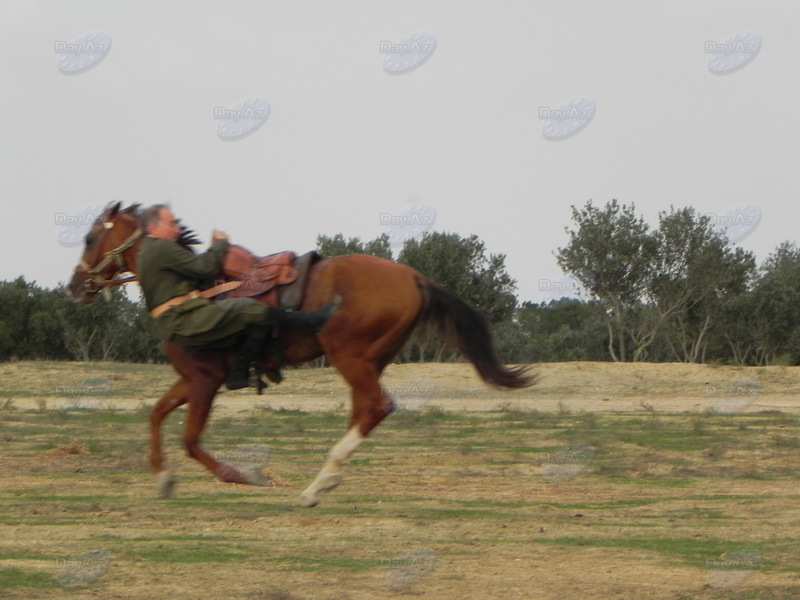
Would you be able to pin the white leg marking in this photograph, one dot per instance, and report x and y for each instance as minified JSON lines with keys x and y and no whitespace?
{"x":328,"y":477}
{"x":166,"y":484}
{"x":346,"y":446}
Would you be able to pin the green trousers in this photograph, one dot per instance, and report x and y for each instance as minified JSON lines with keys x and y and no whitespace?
{"x":203,"y":324}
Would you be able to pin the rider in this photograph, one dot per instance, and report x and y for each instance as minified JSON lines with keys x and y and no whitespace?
{"x":168,"y":274}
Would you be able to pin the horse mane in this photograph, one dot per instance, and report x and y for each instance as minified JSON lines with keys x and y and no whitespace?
{"x":187,"y":238}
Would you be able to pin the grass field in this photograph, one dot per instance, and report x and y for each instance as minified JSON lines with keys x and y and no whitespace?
{"x":503,"y":503}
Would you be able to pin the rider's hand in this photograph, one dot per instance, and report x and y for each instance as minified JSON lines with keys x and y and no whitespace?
{"x":217,"y":235}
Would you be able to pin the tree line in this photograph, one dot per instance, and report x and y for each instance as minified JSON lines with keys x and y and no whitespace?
{"x":40,"y":323}
{"x":682,"y":291}
{"x":678,"y":291}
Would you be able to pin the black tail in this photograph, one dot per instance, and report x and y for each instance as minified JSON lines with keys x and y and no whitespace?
{"x":473,"y":337}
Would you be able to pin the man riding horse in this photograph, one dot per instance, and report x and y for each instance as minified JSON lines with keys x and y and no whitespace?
{"x":382,"y":303}
{"x":169,"y":275}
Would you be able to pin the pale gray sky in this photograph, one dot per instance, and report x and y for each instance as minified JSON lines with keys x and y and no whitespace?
{"x":347,"y":141}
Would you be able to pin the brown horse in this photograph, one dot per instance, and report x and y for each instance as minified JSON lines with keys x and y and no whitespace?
{"x":382,"y":303}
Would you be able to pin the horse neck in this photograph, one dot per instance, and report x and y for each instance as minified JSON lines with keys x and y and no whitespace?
{"x":129,"y":255}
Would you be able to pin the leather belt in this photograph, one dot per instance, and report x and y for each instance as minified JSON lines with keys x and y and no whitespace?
{"x":209,"y":293}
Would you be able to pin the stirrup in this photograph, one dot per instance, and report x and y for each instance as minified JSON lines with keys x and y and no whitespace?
{"x":234,"y":381}
{"x":239,"y":384}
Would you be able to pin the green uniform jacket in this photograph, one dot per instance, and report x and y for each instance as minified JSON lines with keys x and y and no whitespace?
{"x":167,"y":270}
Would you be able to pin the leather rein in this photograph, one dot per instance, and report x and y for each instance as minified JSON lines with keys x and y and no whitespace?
{"x":96,"y":281}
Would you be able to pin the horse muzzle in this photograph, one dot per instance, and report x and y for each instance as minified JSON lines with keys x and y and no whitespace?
{"x":82,"y":291}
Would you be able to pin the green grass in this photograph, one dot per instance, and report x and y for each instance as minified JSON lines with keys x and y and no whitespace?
{"x":22,"y":554}
{"x":694,"y":552}
{"x":21,"y":578}
{"x":316,"y":563}
{"x":188,"y":551}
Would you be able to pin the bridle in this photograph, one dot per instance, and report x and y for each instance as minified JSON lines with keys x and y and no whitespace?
{"x":95,"y":282}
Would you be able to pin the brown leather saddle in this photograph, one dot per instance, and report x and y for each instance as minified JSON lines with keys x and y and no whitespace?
{"x":277,"y":280}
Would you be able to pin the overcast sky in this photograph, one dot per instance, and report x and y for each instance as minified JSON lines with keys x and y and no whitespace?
{"x":279,"y":121}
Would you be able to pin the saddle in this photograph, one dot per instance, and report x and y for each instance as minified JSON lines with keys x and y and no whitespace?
{"x":276,"y":280}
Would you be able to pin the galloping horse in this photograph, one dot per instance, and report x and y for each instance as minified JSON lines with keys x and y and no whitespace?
{"x":382,"y":303}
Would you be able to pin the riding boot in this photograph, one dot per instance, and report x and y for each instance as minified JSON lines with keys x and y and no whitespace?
{"x":247,"y":353}
{"x":312,"y":319}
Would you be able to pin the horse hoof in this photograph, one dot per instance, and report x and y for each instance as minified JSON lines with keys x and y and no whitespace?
{"x":166,"y":484}
{"x":255,"y":477}
{"x":310,"y":497}
{"x":308,"y":500}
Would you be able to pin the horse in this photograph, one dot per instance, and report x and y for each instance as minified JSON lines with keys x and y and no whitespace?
{"x":382,"y":302}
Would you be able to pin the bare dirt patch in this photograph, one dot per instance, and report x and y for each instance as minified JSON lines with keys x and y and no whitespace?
{"x":586,"y":386}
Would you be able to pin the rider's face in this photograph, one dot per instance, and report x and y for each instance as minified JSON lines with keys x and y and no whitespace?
{"x":167,"y":227}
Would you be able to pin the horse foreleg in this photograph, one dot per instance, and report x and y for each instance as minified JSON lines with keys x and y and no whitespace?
{"x":176,"y":396}
{"x":202,"y":397}
{"x":370,"y":406}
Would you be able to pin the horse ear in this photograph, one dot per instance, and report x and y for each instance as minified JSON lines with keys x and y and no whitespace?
{"x":131,"y":210}
{"x":113,"y":209}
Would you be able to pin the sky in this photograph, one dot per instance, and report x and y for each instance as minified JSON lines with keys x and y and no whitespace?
{"x":280,"y":121}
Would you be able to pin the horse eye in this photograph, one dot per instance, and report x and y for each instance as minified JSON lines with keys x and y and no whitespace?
{"x":89,"y":239}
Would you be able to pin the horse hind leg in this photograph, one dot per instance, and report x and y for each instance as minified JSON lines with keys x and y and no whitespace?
{"x":329,"y":477}
{"x":370,"y":406}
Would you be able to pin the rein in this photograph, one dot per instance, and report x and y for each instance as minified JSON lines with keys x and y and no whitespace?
{"x":98,"y":285}
{"x":96,"y":281}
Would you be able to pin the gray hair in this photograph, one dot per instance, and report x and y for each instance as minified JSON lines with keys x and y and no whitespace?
{"x":152,"y":215}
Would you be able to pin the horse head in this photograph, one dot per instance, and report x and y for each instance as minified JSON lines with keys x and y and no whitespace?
{"x":109,"y":250}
